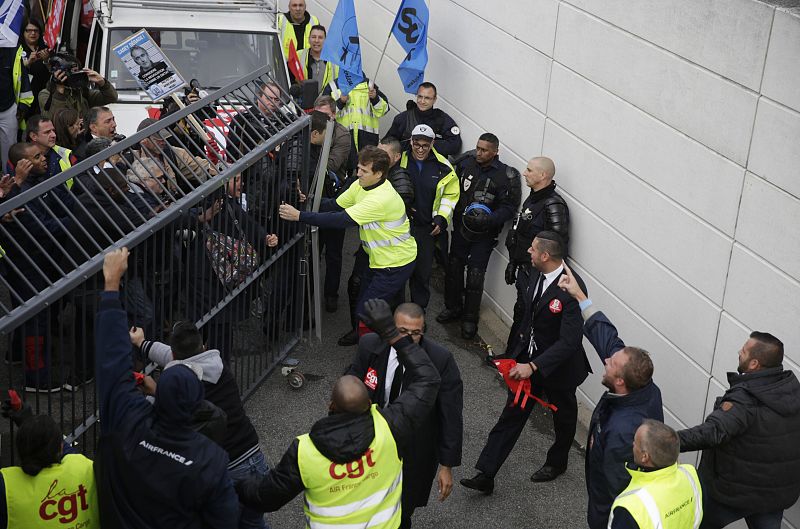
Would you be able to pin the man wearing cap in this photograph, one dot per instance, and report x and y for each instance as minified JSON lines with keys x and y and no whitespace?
{"x":489,"y":197}
{"x":436,"y":193}
{"x":550,"y":353}
{"x":191,"y":170}
{"x":421,"y":112}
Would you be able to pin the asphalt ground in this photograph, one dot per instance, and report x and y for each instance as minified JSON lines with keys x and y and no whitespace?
{"x":280,"y":413}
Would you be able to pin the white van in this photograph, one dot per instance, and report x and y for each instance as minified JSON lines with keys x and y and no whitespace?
{"x":213,"y":41}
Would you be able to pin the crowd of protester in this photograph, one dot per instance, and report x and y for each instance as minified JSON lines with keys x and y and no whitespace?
{"x":178,"y":450}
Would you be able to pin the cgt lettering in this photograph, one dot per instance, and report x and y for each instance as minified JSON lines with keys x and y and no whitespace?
{"x":65,"y":506}
{"x":353,"y":469}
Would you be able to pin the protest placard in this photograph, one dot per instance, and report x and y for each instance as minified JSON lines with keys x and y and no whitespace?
{"x":148,"y":65}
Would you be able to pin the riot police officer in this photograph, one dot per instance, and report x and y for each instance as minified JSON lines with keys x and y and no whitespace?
{"x":544,"y":209}
{"x":490,"y":194}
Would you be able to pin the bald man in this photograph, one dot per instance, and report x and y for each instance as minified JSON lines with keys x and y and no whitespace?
{"x":543,"y":210}
{"x":350,"y":465}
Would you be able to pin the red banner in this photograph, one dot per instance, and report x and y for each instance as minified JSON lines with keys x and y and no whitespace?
{"x":52,"y":29}
{"x":294,"y":63}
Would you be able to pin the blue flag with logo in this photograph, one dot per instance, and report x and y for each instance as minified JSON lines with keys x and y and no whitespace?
{"x":11,"y":13}
{"x":410,"y":28}
{"x":342,"y":46}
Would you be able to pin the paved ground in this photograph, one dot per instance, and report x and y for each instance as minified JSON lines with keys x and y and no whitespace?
{"x":280,"y":413}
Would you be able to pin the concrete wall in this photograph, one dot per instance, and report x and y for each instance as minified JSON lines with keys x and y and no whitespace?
{"x":675,"y":128}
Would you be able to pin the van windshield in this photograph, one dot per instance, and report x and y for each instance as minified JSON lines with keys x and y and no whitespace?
{"x":214,"y":58}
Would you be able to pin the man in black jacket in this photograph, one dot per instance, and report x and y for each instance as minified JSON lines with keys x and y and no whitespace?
{"x":348,"y":436}
{"x":548,"y":351}
{"x":436,"y":443}
{"x":631,"y":398}
{"x":544,"y":209}
{"x":489,"y":198}
{"x":751,"y":441}
{"x":421,"y":112}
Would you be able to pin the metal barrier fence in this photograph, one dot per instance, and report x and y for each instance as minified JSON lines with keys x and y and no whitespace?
{"x":195,"y":197}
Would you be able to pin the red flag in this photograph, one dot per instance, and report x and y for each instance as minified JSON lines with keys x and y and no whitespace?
{"x":53,"y":28}
{"x":87,"y":14}
{"x":294,"y":64}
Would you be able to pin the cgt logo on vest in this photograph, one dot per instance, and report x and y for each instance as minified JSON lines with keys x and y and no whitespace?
{"x":353,"y":469}
{"x":63,"y":504}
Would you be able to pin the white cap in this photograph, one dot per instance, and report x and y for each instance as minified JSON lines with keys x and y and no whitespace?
{"x":424,"y":131}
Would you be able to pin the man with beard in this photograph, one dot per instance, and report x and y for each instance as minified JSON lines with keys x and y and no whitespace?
{"x":448,"y":135}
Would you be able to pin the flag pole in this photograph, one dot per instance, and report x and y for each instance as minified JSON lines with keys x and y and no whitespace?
{"x":380,"y":60}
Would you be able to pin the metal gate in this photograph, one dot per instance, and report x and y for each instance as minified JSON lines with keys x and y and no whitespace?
{"x":195,"y":197}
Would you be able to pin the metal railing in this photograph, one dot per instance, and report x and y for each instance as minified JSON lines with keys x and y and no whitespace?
{"x":195,"y":198}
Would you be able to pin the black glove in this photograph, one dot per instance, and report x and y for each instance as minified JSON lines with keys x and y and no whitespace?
{"x":441,"y":222}
{"x":378,"y":317}
{"x":511,"y":274}
{"x":18,"y":416}
{"x":247,"y":490}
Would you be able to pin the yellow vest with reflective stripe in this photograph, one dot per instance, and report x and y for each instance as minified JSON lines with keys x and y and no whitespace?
{"x":383,"y":226}
{"x":286,"y":31}
{"x":362,"y":493}
{"x":64,"y":162}
{"x":447,"y":189}
{"x":360,"y":114}
{"x":61,"y":495}
{"x":669,"y":498}
{"x":16,"y":77}
{"x":331,"y":70}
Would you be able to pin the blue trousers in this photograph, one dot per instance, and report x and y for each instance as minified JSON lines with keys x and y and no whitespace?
{"x":383,"y":283}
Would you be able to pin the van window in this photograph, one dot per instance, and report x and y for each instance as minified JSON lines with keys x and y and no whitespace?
{"x":96,"y":48}
{"x":214,"y":58}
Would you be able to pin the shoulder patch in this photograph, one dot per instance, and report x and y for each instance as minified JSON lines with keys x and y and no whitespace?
{"x":726,"y":406}
{"x":455,"y":131}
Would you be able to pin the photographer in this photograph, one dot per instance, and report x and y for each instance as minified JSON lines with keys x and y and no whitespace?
{"x":69,"y":87}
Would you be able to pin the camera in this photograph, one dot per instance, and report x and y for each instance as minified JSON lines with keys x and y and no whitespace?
{"x":62,"y":62}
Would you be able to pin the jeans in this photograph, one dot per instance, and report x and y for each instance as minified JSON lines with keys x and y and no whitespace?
{"x":254,"y":466}
{"x":716,"y":516}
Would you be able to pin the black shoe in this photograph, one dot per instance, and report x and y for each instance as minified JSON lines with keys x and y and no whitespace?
{"x":468,"y":330}
{"x":331,"y":303}
{"x":448,"y":315}
{"x":547,"y":473}
{"x":351,"y":338}
{"x":480,"y":483}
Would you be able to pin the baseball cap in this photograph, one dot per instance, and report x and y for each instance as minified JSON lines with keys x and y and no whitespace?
{"x":146,"y":122}
{"x":423,"y":131}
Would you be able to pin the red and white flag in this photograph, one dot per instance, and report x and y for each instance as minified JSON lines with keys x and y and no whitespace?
{"x":87,"y":14}
{"x":52,"y":29}
{"x":294,"y":64}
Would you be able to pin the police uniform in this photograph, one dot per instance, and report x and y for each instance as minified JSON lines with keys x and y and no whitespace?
{"x":489,"y":197}
{"x":542,"y":210}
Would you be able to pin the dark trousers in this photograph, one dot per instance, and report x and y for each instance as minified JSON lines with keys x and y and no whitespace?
{"x":383,"y":283}
{"x":331,"y":241}
{"x":524,"y":275}
{"x":419,"y":284}
{"x":716,"y":516}
{"x":473,"y":254}
{"x":512,"y":420}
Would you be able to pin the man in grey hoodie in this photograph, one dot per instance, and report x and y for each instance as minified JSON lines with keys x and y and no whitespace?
{"x":240,"y":440}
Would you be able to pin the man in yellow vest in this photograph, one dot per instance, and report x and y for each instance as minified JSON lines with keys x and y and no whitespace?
{"x":42,"y":133}
{"x":662,"y":494}
{"x":49,"y":489}
{"x":313,"y":66}
{"x":15,"y":98}
{"x":295,"y":26}
{"x":372,"y":204}
{"x":360,"y":112}
{"x":350,"y":465}
{"x":436,"y":193}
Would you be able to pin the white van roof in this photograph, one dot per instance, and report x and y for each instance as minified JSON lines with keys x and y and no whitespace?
{"x":235,"y":15}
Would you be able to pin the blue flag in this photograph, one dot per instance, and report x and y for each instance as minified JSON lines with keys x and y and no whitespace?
{"x":342,"y":46}
{"x":11,"y":13}
{"x":410,"y":28}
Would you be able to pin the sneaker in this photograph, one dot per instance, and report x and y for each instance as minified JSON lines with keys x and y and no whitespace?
{"x":73,"y":383}
{"x":35,"y":389}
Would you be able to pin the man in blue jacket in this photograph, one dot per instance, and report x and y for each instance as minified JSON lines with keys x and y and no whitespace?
{"x":631,"y":398}
{"x":152,"y":469}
